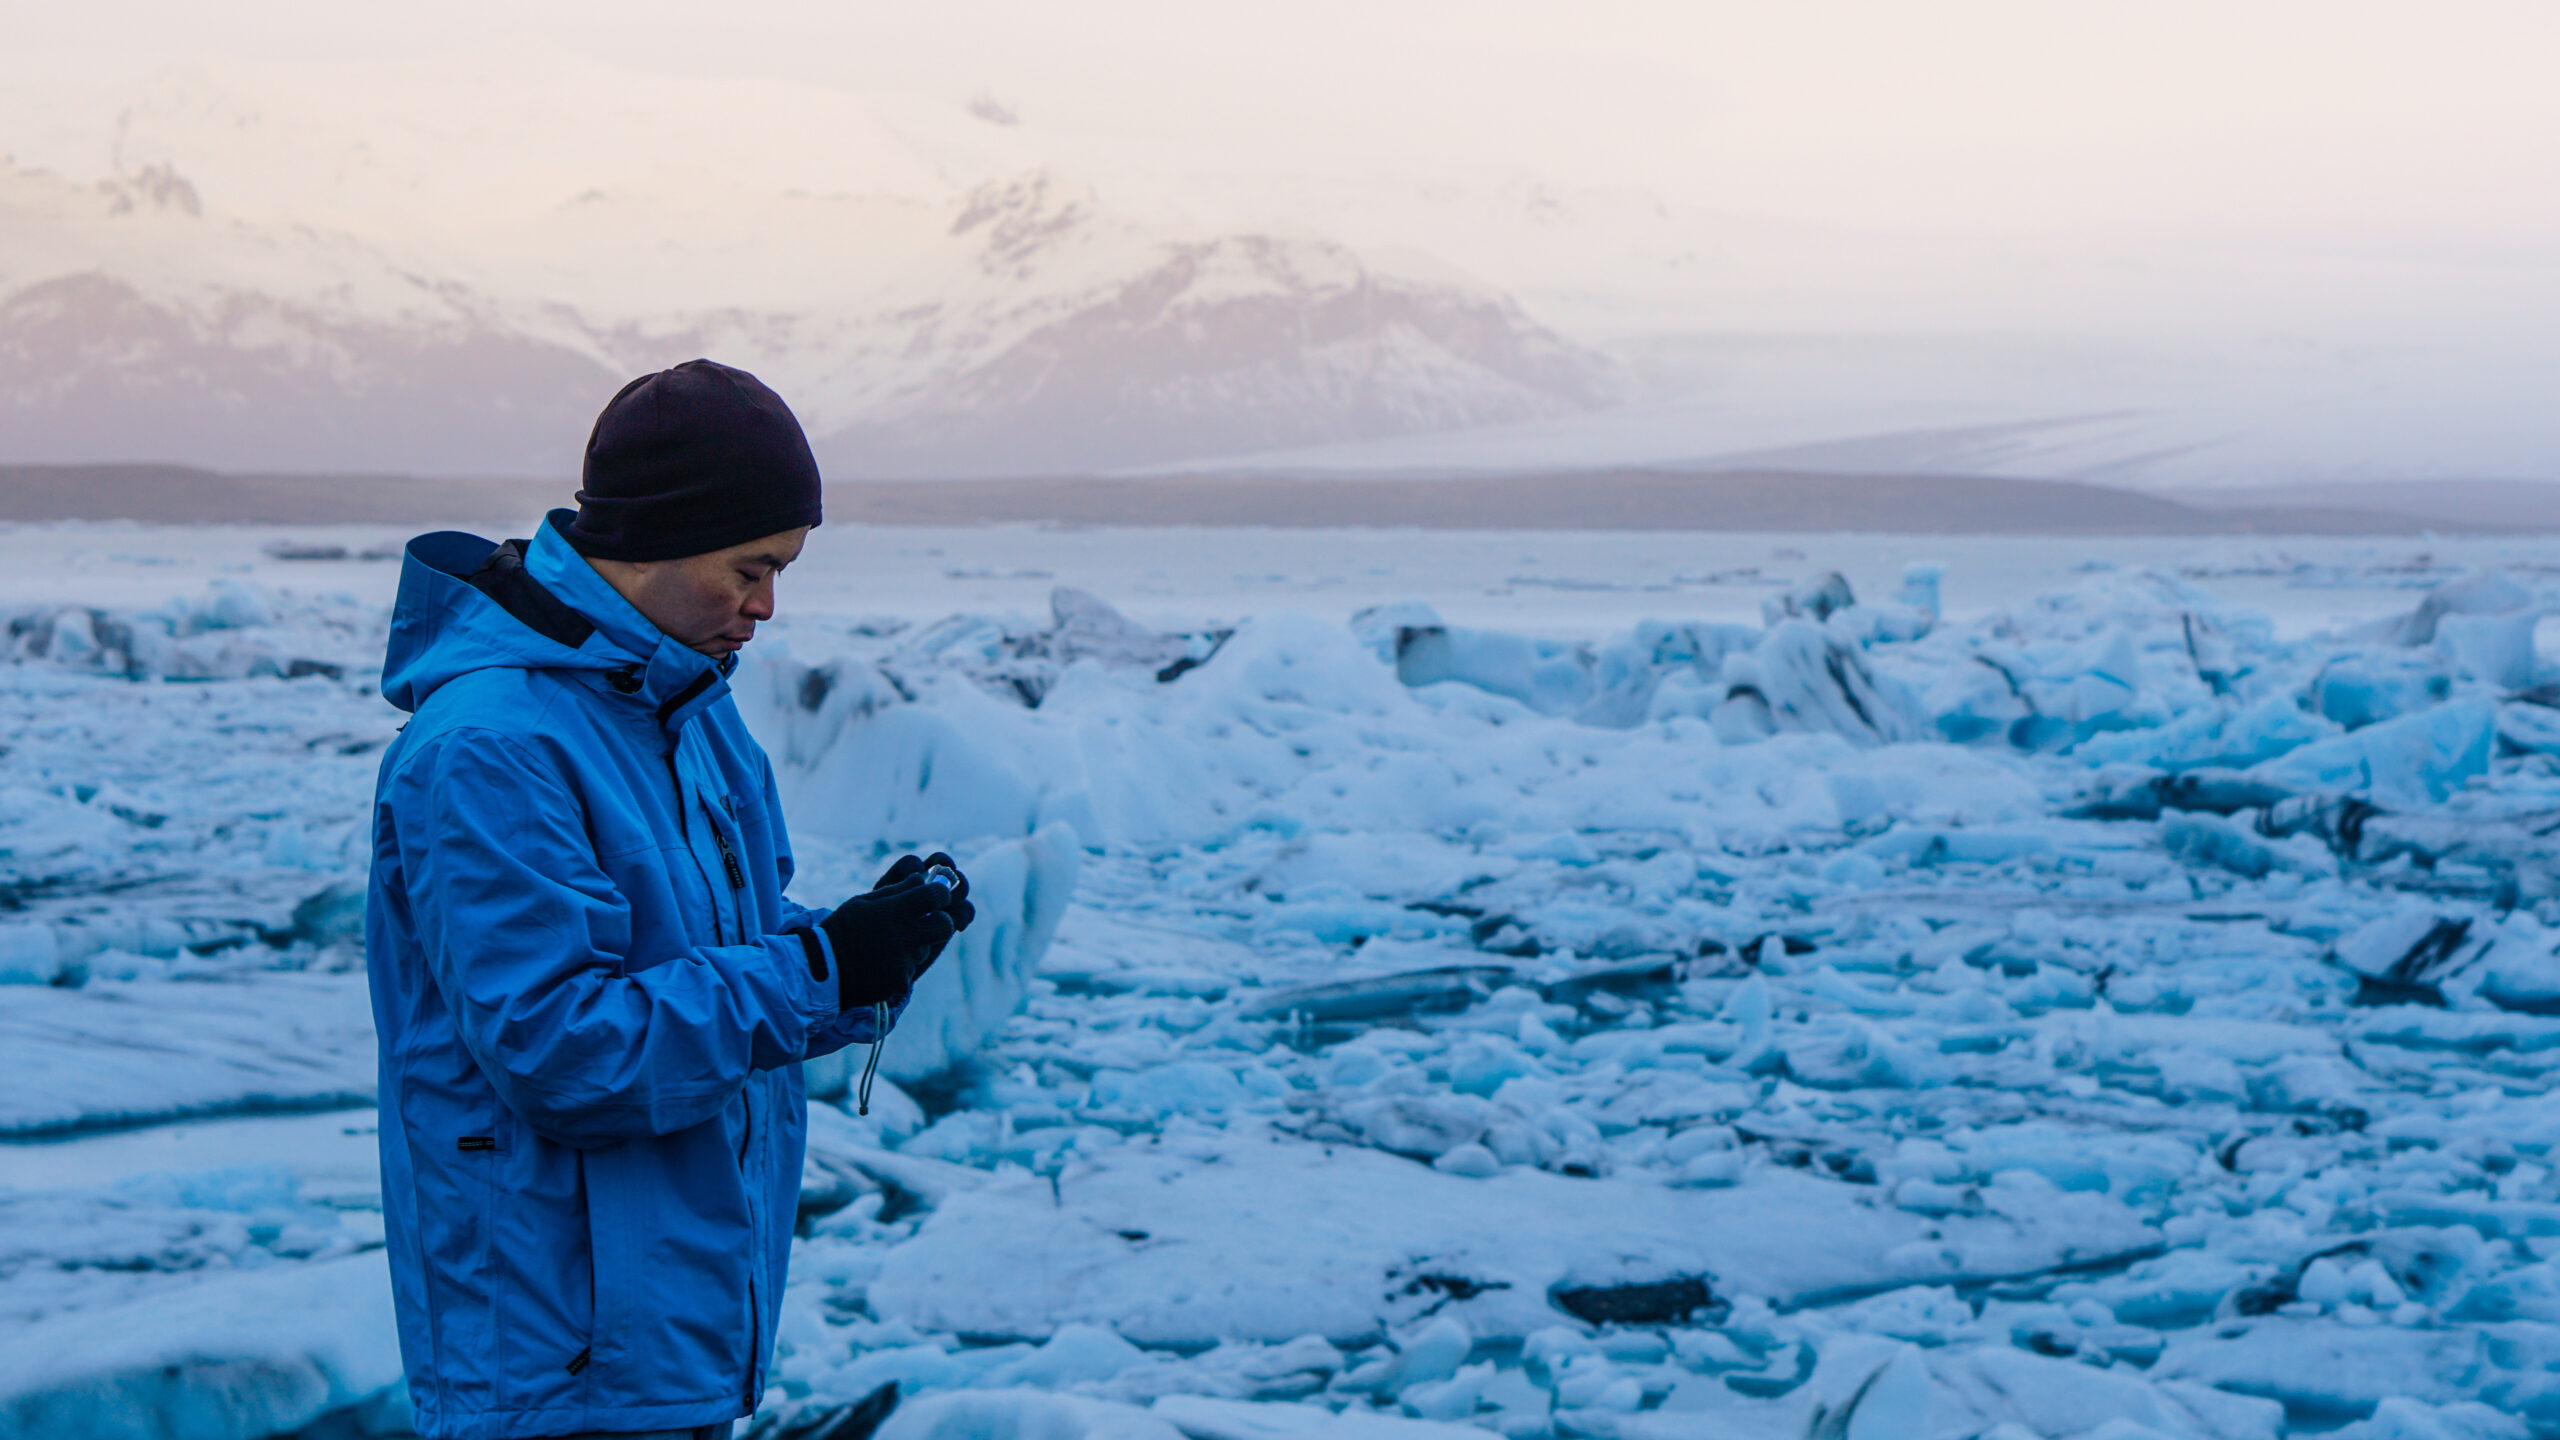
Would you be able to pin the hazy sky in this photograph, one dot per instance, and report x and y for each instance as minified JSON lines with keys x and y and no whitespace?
{"x":2435,"y":126}
{"x":2325,"y":229}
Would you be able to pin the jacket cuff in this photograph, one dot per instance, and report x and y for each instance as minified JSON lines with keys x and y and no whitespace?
{"x":820,"y":957}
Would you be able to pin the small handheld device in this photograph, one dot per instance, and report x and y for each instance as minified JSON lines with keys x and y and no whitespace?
{"x":946,"y":880}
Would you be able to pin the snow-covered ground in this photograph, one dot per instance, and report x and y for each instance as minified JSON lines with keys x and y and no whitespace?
{"x":1610,"y":985}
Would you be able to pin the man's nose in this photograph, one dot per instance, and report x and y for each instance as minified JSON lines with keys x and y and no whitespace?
{"x":759,"y":606}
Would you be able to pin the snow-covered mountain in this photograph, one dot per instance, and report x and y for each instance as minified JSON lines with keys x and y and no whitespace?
{"x":284,"y":278}
{"x":415,"y":266}
{"x":134,"y":324}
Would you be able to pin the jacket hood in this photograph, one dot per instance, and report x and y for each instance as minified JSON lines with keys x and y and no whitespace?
{"x":468,"y":604}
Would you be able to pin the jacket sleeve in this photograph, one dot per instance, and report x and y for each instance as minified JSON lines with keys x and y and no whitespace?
{"x":524,"y":935}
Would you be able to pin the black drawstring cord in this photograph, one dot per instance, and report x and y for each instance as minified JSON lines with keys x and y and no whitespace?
{"x":871,"y":1067}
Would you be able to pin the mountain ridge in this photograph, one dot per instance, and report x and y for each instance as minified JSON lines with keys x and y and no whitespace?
{"x":921,"y":321}
{"x":1777,"y":502}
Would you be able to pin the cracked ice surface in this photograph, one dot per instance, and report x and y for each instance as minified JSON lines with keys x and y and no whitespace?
{"x":2110,"y":1011}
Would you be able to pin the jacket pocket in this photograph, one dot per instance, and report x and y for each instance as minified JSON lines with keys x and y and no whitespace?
{"x":455,"y":1184}
{"x":541,"y":1268}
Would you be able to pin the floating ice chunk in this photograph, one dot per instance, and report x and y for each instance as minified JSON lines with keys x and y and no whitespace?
{"x":1482,"y":1065}
{"x":287,"y":1041}
{"x":1471,"y":1160}
{"x":1423,"y":1126}
{"x":2130,"y":793}
{"x":1711,"y":1169}
{"x":1697,"y":646}
{"x":2064,"y":1397}
{"x":2358,"y":688}
{"x":1020,"y":889}
{"x":1380,"y":628}
{"x":1420,"y":992}
{"x":29,"y":955}
{"x":2321,"y":1367}
{"x":1201,"y":1417}
{"x":1188,"y":1087}
{"x":864,"y":772}
{"x":2404,"y":955}
{"x":894,"y":1114}
{"x":235,"y":606}
{"x":2497,"y":649}
{"x":2370,"y":1284}
{"x":2521,"y":968}
{"x":1253,"y":1239}
{"x":2487,"y":592}
{"x":1851,"y":870}
{"x":1609,"y":685}
{"x":1922,"y":1314}
{"x":1021,"y":1415}
{"x":929,"y":1182}
{"x":1890,"y":1401}
{"x":2323,"y":1282}
{"x":1701,"y":1140}
{"x":1837,"y":1053}
{"x":2224,"y":735}
{"x":2208,"y":839}
{"x":1454,"y":1398}
{"x":235,"y":1357}
{"x":1750,"y":1010}
{"x":1930,"y":845}
{"x":2530,"y":1292}
{"x":2106,"y":681}
{"x":1077,"y":1354}
{"x":1800,"y":678}
{"x":233,"y":632}
{"x":1086,"y":627}
{"x":2401,"y":1418}
{"x":2530,"y":727}
{"x":2413,"y":761}
{"x":1815,"y":599}
{"x":915,"y":1369}
{"x":2204,"y":838}
{"x":1890,"y":623}
{"x":72,"y":639}
{"x":1431,"y":1354}
{"x":1549,"y":676}
{"x":1975,"y":701}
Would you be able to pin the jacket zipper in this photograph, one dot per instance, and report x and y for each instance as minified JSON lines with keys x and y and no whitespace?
{"x":755,"y":1310}
{"x":728,"y":857}
{"x":737,"y":878}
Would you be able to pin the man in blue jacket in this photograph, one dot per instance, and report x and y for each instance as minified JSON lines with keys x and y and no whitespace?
{"x":592,"y":997}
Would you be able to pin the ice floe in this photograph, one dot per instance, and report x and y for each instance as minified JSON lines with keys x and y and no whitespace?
{"x":2104,"y":1016}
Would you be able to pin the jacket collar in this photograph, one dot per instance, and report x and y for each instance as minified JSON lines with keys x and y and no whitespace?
{"x":673,"y":679}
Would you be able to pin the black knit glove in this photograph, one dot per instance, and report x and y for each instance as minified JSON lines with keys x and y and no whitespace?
{"x":885,"y":939}
{"x":960,"y":910}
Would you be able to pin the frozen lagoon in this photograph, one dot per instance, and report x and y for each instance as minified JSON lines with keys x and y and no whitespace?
{"x":2109,"y":995}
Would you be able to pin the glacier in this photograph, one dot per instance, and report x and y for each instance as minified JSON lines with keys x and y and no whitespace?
{"x":1900,"y":1005}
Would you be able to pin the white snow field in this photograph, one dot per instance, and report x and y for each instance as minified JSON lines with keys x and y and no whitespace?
{"x":1429,"y":985}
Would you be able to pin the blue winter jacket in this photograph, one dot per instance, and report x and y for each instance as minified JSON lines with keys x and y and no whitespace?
{"x":592,"y":1000}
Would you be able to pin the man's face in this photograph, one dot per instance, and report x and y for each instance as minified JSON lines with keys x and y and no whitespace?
{"x":711,"y":602}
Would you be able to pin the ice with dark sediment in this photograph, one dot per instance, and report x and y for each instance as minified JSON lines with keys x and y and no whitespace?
{"x":2103,"y":1016}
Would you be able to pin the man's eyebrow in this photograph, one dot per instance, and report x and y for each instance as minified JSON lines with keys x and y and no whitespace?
{"x":765,"y":557}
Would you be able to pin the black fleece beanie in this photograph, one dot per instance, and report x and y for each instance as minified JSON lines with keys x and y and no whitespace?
{"x":690,"y":460}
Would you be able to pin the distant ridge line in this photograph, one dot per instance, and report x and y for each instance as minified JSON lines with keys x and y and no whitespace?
{"x":1594,"y":500}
